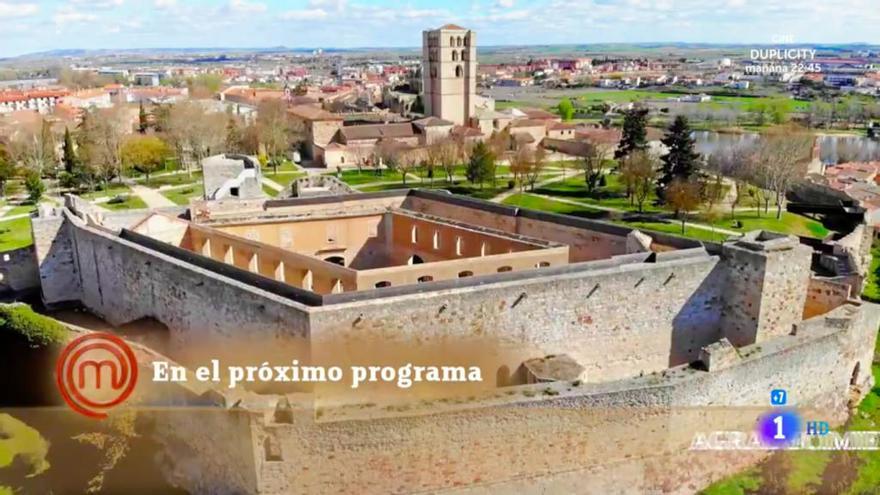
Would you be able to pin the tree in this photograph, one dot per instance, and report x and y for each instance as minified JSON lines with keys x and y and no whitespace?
{"x":565,"y":109}
{"x":537,"y":165}
{"x":639,"y":171}
{"x":520,"y":164}
{"x":234,"y":137}
{"x":481,"y":164}
{"x":7,"y":169}
{"x":634,"y":135}
{"x":682,"y":197}
{"x":146,"y":154}
{"x":681,"y":162}
{"x":33,"y":146}
{"x":781,"y":160}
{"x":277,"y":130}
{"x":194,"y":132}
{"x":99,"y":139}
{"x":69,"y":153}
{"x":34,"y":186}
{"x":142,"y":119}
{"x":593,"y":163}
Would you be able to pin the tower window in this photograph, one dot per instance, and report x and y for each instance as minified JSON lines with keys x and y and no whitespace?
{"x":452,"y":41}
{"x":458,"y":41}
{"x":458,"y":71}
{"x":454,"y":56}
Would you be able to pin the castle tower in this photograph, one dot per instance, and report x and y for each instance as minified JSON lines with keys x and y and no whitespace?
{"x":449,"y":73}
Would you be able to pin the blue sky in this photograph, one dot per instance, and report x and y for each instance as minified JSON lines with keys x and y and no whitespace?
{"x":34,"y":25}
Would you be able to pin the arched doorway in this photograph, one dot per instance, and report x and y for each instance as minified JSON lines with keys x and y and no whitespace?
{"x":415,"y":260}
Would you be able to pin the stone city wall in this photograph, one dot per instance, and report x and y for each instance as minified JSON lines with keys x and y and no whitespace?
{"x":617,"y":322}
{"x":18,"y":271}
{"x":628,"y":436}
{"x":123,"y":282}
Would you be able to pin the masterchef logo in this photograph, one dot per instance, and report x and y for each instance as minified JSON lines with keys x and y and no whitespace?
{"x":95,"y":373}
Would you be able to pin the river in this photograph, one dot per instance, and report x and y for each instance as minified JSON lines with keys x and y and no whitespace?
{"x":833,"y":148}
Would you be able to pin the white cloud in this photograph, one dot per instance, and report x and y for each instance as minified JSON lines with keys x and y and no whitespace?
{"x":334,"y":5}
{"x":304,"y":14}
{"x":506,"y":4}
{"x":97,"y":4}
{"x":11,"y":10}
{"x":246,"y":7}
{"x":68,"y":15}
{"x":165,"y":4}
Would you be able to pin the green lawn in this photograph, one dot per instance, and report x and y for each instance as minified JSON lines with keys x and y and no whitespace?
{"x":177,"y":179}
{"x":525,"y":200}
{"x":20,"y":440}
{"x":790,"y":223}
{"x":269,"y":191}
{"x":15,"y":234}
{"x":612,"y":195}
{"x":365,"y":176}
{"x":872,"y":287}
{"x":283,"y":178}
{"x":106,"y":191}
{"x":182,"y":196}
{"x":131,"y":202}
{"x":21,"y":209}
{"x":675,"y":229}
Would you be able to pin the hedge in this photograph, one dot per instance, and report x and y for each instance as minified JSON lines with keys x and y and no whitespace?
{"x":39,"y":330}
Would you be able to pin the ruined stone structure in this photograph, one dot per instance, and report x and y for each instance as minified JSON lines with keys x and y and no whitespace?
{"x":649,"y":339}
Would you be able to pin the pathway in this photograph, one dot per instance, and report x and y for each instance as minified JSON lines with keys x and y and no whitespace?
{"x":151,"y":197}
{"x":271,"y":184}
{"x":557,"y":178}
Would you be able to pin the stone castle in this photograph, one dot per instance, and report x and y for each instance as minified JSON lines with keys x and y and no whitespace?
{"x":604,"y":349}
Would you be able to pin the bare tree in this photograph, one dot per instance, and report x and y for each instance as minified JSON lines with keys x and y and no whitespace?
{"x":521,"y":164}
{"x":780,"y":161}
{"x":538,"y":163}
{"x":640,"y":170}
{"x":195,"y":133}
{"x":33,"y":147}
{"x":100,"y":138}
{"x":277,"y":131}
{"x":593,"y":162}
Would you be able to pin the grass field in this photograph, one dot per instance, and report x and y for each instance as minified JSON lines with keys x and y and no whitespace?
{"x":132,"y":202}
{"x":790,"y":223}
{"x":15,"y":234}
{"x":613,"y":195}
{"x":269,"y":191}
{"x":525,"y":200}
{"x":182,"y":196}
{"x":283,"y":178}
{"x":177,"y":179}
{"x":356,"y":178}
{"x":21,"y":209}
{"x":107,"y":191}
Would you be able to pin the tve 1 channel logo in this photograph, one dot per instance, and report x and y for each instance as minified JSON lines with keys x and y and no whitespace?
{"x":96,"y":372}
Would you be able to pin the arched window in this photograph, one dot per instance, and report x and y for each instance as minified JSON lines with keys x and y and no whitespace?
{"x":464,"y":55}
{"x":467,"y":41}
{"x":484,"y":249}
{"x":459,"y":246}
{"x":336,"y":260}
{"x":415,"y":260}
{"x":414,"y":234}
{"x":436,"y":239}
{"x":458,"y":71}
{"x":542,"y":264}
{"x":426,"y":278}
{"x":452,"y":41}
{"x":454,"y":56}
{"x":341,"y":159}
{"x":465,"y":274}
{"x":458,"y":42}
{"x":383,"y":284}
{"x":505,"y":269}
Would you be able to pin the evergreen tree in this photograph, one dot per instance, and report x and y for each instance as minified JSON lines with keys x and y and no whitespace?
{"x":234,"y":137}
{"x":69,"y":153}
{"x":481,"y":165}
{"x":682,"y":162}
{"x":142,"y":119}
{"x":634,"y":137}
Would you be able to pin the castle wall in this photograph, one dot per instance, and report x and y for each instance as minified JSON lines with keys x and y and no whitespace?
{"x":19,"y":271}
{"x":585,"y":245}
{"x":616,"y":322}
{"x":124,"y":282}
{"x":823,"y":295}
{"x":628,"y":436}
{"x":56,"y":256}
